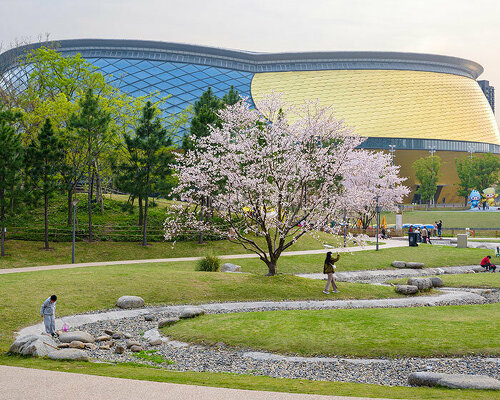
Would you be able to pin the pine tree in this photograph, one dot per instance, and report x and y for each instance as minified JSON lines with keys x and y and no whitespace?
{"x":148,"y":168}
{"x":92,"y":124}
{"x":231,"y":97}
{"x":44,"y":160}
{"x":11,"y":160}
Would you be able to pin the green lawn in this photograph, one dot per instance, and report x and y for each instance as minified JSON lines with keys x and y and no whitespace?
{"x":430,"y":255}
{"x":451,"y":219}
{"x":25,"y":253}
{"x":96,"y":288}
{"x":480,"y":280}
{"x":249,"y":382}
{"x":412,"y":332}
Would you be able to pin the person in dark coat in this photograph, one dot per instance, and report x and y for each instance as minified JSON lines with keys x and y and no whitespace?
{"x":329,"y":269}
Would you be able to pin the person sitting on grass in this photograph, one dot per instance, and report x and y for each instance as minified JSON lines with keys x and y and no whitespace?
{"x":48,"y":312}
{"x":487,"y":265}
{"x":329,"y":269}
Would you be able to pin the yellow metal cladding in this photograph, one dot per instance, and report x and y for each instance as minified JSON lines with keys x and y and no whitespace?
{"x":389,"y":103}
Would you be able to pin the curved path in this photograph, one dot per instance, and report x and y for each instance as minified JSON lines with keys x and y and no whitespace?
{"x":27,"y":383}
{"x":388,"y":244}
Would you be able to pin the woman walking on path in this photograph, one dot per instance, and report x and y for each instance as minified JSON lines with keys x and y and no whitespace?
{"x":329,"y":269}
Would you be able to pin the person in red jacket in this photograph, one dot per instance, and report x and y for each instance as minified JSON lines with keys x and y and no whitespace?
{"x":487,"y":265}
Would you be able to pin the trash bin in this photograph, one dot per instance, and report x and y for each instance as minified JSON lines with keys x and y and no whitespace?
{"x":412,"y":239}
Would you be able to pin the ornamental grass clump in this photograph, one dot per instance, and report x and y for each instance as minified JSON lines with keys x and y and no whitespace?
{"x":209,"y":263}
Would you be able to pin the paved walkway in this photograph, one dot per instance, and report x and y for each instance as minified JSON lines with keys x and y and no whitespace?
{"x":388,"y":244}
{"x":25,"y":383}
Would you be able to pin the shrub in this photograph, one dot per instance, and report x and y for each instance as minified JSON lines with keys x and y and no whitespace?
{"x":209,"y":263}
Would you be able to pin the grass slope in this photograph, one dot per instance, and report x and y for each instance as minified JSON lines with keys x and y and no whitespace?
{"x":249,"y":382}
{"x":419,"y":332}
{"x":431,"y":255}
{"x":451,"y":219}
{"x":95,"y":288}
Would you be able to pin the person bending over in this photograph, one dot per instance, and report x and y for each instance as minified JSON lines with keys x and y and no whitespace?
{"x":487,"y":265}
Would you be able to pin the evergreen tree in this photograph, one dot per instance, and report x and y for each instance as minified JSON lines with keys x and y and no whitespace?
{"x":92,"y":124}
{"x":427,"y":173}
{"x":11,"y":159}
{"x":205,"y":114}
{"x":148,"y":170}
{"x":44,"y":159}
{"x":477,"y":172}
{"x":231,"y":97}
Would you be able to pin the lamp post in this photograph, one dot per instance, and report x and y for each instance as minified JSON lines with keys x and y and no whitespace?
{"x":74,"y":203}
{"x":345,"y":231}
{"x":378,"y":221}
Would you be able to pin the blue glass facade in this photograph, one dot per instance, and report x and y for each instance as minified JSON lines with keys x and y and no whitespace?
{"x":184,"y":82}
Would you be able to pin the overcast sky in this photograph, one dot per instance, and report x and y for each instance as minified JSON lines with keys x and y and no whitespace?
{"x":460,"y":28}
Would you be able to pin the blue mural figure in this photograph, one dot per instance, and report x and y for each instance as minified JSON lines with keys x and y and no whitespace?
{"x":474,"y":199}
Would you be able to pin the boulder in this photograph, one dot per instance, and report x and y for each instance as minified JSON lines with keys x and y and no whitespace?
{"x":117,"y":336}
{"x":33,"y":345}
{"x":76,"y":344}
{"x":454,"y":381}
{"x":436,"y":282}
{"x":399,"y":264}
{"x":104,"y":347}
{"x":228,"y":267}
{"x":191,"y":312}
{"x":136,"y":349}
{"x":149,"y":317}
{"x":103,"y":338}
{"x":167,"y":321}
{"x":130,"y":343}
{"x":63,"y":345}
{"x":119,"y":349}
{"x":155,"y":341}
{"x":130,"y":302}
{"x":81,"y":336}
{"x":421,"y":283}
{"x":90,"y":346}
{"x":414,"y":265}
{"x":68,"y":354}
{"x":406,"y":289}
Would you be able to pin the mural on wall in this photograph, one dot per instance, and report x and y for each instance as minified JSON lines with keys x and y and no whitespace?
{"x":489,"y":196}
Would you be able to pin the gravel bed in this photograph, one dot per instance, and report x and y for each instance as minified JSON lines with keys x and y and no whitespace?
{"x":222,"y":358}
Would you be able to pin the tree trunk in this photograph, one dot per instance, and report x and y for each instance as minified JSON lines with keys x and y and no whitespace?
{"x":145,"y":228}
{"x":98,"y":195}
{"x":90,"y":184}
{"x":2,"y":222}
{"x":141,"y":214}
{"x":200,"y":238}
{"x":70,"y":207}
{"x":46,"y":216}
{"x":271,"y":266}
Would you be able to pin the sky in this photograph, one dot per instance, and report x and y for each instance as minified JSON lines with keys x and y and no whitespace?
{"x":466,"y":29}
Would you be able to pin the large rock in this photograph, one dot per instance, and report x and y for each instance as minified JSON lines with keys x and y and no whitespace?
{"x":414,"y":265}
{"x":454,"y":381}
{"x":406,"y":289}
{"x":436,"y":282}
{"x":103,"y":338}
{"x":191,"y":312}
{"x":228,"y":267}
{"x":81,"y":336}
{"x":68,"y":354}
{"x":33,"y":345}
{"x":119,"y":349}
{"x":421,"y":283}
{"x":129,"y":343}
{"x":136,"y":349}
{"x":167,"y":321}
{"x":130,"y":302}
{"x":399,"y":264}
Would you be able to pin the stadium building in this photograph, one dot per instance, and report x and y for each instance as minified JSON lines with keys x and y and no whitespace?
{"x":406,"y":103}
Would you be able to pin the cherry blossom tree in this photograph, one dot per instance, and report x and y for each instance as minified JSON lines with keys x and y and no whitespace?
{"x":377,"y":178}
{"x":276,"y":172}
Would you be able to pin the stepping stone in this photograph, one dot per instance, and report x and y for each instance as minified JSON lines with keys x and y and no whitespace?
{"x":399,"y":264}
{"x":68,"y":354}
{"x":454,"y":381}
{"x":191,"y":312}
{"x":81,"y":336}
{"x":406,"y":289}
{"x":436,"y":282}
{"x":421,"y":283}
{"x":167,"y":321}
{"x":414,"y":265}
{"x":76,"y":344}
